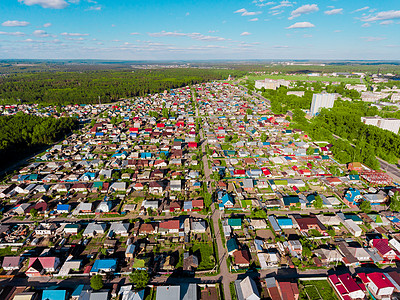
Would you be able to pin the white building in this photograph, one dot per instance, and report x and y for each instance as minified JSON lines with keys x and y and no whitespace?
{"x":323,"y":100}
{"x":390,"y":124}
{"x":271,"y":84}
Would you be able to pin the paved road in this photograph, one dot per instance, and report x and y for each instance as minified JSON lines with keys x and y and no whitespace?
{"x":225,"y":276}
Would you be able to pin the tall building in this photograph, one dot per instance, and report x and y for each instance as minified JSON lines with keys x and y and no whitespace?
{"x":390,"y":124}
{"x":323,"y":100}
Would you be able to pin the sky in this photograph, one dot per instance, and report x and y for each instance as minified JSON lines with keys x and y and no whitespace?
{"x":200,"y":29}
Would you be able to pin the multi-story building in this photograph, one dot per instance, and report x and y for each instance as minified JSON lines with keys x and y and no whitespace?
{"x":390,"y":124}
{"x":323,"y":100}
{"x":271,"y":84}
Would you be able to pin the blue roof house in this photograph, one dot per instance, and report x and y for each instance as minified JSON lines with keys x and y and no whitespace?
{"x":54,"y":295}
{"x":227,"y":201}
{"x":285,"y":223}
{"x":104,"y":266}
{"x":353,"y":196}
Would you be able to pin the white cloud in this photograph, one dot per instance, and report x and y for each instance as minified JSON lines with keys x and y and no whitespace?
{"x":305,"y":9}
{"x":365,"y":25}
{"x":261,"y":4}
{"x":244,"y":12}
{"x":301,"y":25}
{"x":307,"y":36}
{"x":361,"y":9}
{"x":387,"y":22}
{"x":18,"y":33}
{"x":334,"y":11}
{"x":187,"y":14}
{"x":47,"y":25}
{"x":135,"y":33}
{"x":383,"y":15}
{"x":97,"y":7}
{"x":282,"y":4}
{"x":194,"y":35}
{"x":245,"y":33}
{"x":56,"y":4}
{"x":15,"y":23}
{"x":41,"y":33}
{"x":373,"y":38}
{"x":74,"y":34}
{"x":253,"y":20}
{"x":280,"y":47}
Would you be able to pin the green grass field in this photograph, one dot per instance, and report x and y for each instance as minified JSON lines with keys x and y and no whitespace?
{"x":206,"y":257}
{"x":305,"y":78}
{"x":316,"y":290}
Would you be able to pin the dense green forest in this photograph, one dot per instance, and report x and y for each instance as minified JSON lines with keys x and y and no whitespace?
{"x":110,"y":85}
{"x":344,"y":120}
{"x":281,"y":102}
{"x":24,"y":134}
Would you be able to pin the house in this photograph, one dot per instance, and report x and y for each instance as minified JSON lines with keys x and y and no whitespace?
{"x":147,"y":228}
{"x":241,"y":258}
{"x":153,"y":204}
{"x":93,"y":229}
{"x":130,"y":250}
{"x":120,"y":228}
{"x":155,"y":188}
{"x":63,"y":208}
{"x":384,"y":250}
{"x":169,"y":226}
{"x":246,"y":289}
{"x":103,"y":207}
{"x":306,"y":223}
{"x":37,"y":266}
{"x":127,"y":293}
{"x":285,"y":223}
{"x":71,"y":228}
{"x":231,"y":246}
{"x":199,"y":226}
{"x":54,"y":294}
{"x":346,"y":287}
{"x":12,"y":263}
{"x":328,"y":256}
{"x":235,"y":223}
{"x":190,"y":262}
{"x":227,"y":201}
{"x":289,"y":290}
{"x":355,"y":166}
{"x":102,"y":266}
{"x":168,"y":293}
{"x":379,"y":285}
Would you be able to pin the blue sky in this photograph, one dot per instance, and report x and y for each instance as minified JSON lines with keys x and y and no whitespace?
{"x":199,"y":29}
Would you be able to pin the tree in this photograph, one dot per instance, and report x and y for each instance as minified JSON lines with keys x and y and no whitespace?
{"x":245,"y":119}
{"x":306,"y":252}
{"x":318,"y":202}
{"x":34,"y":212}
{"x":331,"y":232}
{"x":96,"y":282}
{"x":365,"y":206}
{"x":310,"y":151}
{"x":139,"y":278}
{"x":395,"y":202}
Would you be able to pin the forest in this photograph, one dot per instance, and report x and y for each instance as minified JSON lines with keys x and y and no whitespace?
{"x":22,"y":134}
{"x":86,"y":87}
{"x":344,"y":120}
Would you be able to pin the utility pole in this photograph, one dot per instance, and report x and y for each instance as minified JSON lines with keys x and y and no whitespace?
{"x":99,"y":100}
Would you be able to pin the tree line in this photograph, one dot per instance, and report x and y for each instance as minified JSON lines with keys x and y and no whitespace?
{"x":109,"y":85}
{"x":24,"y":134}
{"x":344,"y":120}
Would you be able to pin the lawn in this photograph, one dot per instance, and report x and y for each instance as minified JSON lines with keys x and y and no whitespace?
{"x":316,"y":290}
{"x":246,"y":203}
{"x":205,"y":253}
{"x":305,"y":78}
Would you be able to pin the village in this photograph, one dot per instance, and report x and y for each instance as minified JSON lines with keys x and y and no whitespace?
{"x":206,"y":191}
